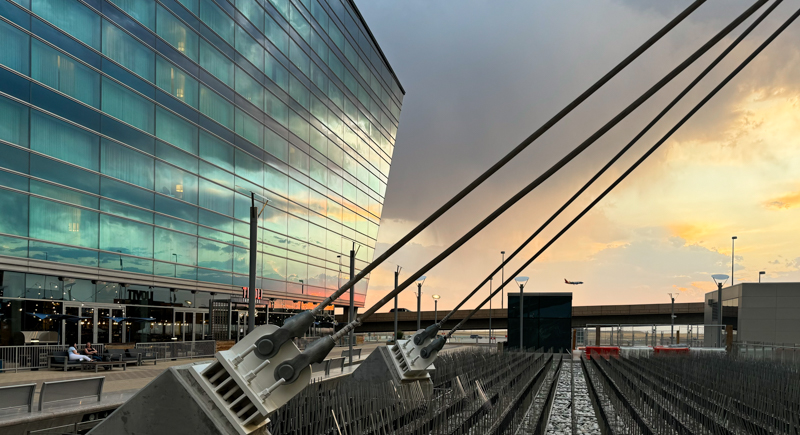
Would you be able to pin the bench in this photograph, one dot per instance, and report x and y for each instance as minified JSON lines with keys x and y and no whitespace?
{"x":356,"y":353}
{"x":323,"y":366}
{"x":60,"y":391}
{"x":17,"y":396}
{"x":108,"y":365}
{"x":61,"y":360}
{"x":336,"y":362}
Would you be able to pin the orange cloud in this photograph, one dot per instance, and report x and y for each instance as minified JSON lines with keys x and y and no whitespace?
{"x":704,"y":286}
{"x":785,"y":202}
{"x":693,"y":233}
{"x":680,"y":289}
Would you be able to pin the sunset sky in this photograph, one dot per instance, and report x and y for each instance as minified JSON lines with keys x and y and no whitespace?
{"x":481,"y":76}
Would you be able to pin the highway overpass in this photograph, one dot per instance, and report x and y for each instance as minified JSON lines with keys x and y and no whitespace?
{"x":647,"y":314}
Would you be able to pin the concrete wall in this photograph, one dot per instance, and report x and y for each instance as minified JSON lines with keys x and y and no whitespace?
{"x":768,"y":312}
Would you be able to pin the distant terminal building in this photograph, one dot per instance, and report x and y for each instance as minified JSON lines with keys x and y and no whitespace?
{"x":132,"y":133}
{"x":758,"y":312}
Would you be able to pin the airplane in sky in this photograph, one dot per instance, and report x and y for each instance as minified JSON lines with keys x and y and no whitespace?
{"x":572,"y":282}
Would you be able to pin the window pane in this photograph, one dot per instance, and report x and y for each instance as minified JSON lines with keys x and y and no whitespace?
{"x":276,"y":145}
{"x":276,"y":108}
{"x":127,"y":106}
{"x":216,"y":63}
{"x":215,"y":255}
{"x":170,"y":246}
{"x":249,"y":168}
{"x":216,"y":198}
{"x":13,"y":121}
{"x":127,"y":165}
{"x":299,"y":92}
{"x":217,"y":20}
{"x":176,"y":82}
{"x":122,"y":48}
{"x":276,"y":35}
{"x":176,"y":130}
{"x":216,"y":151}
{"x":176,"y":183}
{"x":298,"y":126}
{"x":15,"y":221}
{"x":15,"y":50}
{"x":64,"y":141}
{"x":143,"y":12}
{"x":176,"y":33}
{"x":249,"y":88}
{"x":63,"y":223}
{"x":248,"y":128}
{"x":249,"y":48}
{"x":65,"y":74}
{"x":126,"y":237}
{"x":72,"y":17}
{"x":276,"y":72}
{"x":252,"y":11}
{"x":216,"y":107}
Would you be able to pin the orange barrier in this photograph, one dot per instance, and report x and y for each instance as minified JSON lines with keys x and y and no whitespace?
{"x":603,"y":351}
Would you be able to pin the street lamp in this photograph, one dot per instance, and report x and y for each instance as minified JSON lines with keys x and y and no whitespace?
{"x":759,"y":276}
{"x":302,"y":287}
{"x":420,"y":280}
{"x":521,"y":280}
{"x":339,"y":276}
{"x":490,"y":310}
{"x":502,"y":278}
{"x":672,"y":297}
{"x":719,"y":279}
{"x":435,"y":308}
{"x":733,"y":242}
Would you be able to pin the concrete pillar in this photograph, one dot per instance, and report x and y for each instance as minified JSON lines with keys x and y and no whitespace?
{"x":597,"y":336}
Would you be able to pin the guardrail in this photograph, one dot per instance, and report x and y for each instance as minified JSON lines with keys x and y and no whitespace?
{"x":784,"y":353}
{"x":180,"y":349}
{"x":15,"y":358}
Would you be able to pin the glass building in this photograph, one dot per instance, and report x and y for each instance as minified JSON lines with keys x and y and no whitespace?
{"x":132,"y":133}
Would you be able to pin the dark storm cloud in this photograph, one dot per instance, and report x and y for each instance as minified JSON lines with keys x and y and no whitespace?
{"x":481,"y":76}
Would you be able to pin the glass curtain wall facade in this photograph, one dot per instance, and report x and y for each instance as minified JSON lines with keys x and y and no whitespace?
{"x":133,"y":131}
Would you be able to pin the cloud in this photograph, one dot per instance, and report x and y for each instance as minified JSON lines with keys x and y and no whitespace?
{"x":481,"y":78}
{"x":783,"y":202}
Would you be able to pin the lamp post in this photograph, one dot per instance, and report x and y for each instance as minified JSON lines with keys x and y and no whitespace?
{"x":521,"y":280}
{"x":302,"y":289}
{"x":175,"y":272}
{"x":759,"y":276}
{"x":339,"y":276}
{"x":420,"y":280}
{"x":396,"y":276}
{"x":733,"y":242}
{"x":490,"y":311}
{"x":502,"y":278}
{"x":719,"y":279}
{"x":672,"y":297}
{"x":435,"y":308}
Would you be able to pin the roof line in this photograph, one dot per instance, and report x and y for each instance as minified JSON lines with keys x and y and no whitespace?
{"x":377,"y":46}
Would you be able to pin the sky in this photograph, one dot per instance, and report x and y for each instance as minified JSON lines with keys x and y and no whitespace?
{"x":481,"y":76}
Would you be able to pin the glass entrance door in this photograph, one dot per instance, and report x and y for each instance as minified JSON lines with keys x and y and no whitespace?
{"x":109,"y":326}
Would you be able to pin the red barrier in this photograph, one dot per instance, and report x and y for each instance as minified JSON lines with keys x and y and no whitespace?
{"x":664,"y":350}
{"x":603,"y":351}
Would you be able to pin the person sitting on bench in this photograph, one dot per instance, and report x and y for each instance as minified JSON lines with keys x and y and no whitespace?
{"x":75,"y":356}
{"x":92,"y":352}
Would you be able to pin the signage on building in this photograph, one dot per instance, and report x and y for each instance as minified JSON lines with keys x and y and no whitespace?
{"x":246,"y":293}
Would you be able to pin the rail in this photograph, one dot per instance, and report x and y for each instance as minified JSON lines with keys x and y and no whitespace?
{"x":180,"y":349}
{"x":32,"y":357}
